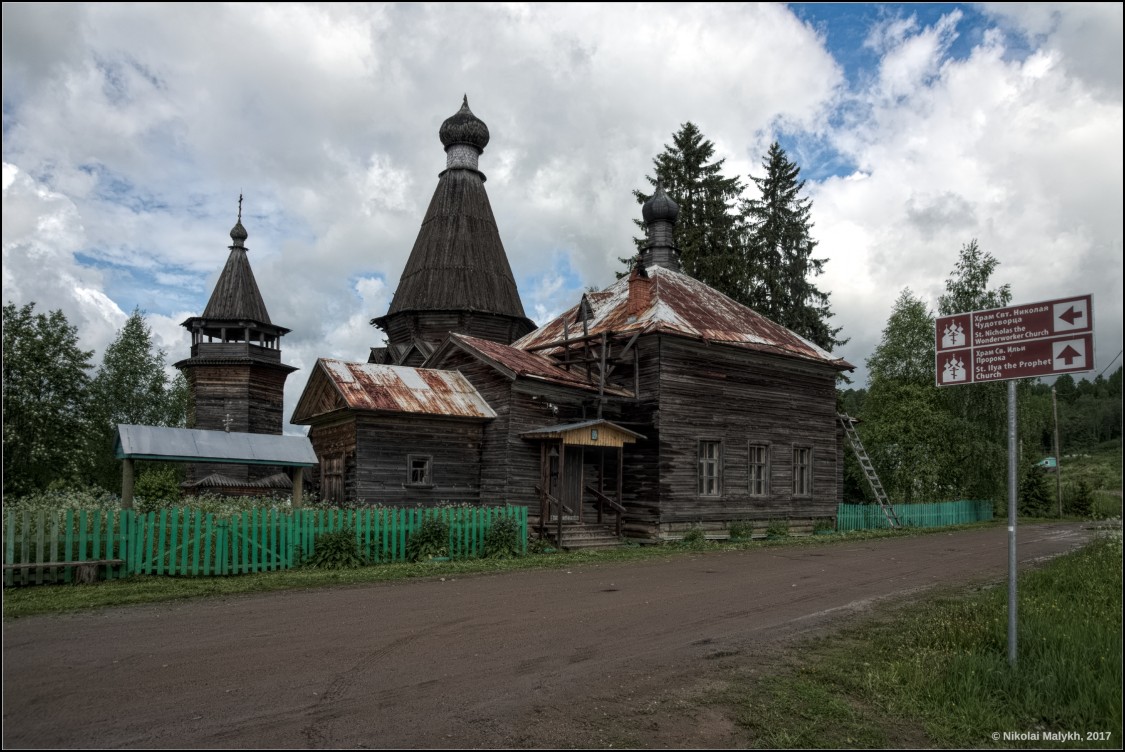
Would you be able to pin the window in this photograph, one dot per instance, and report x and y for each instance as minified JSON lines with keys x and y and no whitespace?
{"x":802,"y":471}
{"x":418,"y":470}
{"x":710,"y":466}
{"x":759,"y":469}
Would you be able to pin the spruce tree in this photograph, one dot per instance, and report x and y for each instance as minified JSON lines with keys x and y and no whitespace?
{"x":779,"y":253}
{"x":707,"y":230}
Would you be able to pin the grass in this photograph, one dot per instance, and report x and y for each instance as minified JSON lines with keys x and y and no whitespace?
{"x":936,"y":673}
{"x":26,"y":601}
{"x":1100,"y":467}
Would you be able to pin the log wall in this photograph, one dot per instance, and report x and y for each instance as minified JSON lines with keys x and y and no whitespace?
{"x":251,"y":394}
{"x":738,"y":397}
{"x":384,"y":443}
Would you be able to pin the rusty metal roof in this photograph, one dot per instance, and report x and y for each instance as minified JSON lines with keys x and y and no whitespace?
{"x":681,"y":305}
{"x":533,"y":365}
{"x":399,"y":389}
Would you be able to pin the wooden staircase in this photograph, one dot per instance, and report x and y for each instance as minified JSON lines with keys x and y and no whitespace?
{"x":584,"y":535}
{"x":579,"y":535}
{"x":587,"y":533}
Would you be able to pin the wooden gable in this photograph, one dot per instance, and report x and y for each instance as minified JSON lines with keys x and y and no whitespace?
{"x":319,"y":398}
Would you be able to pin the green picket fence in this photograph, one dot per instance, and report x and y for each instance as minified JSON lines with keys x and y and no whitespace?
{"x":187,"y":542}
{"x":62,"y":536}
{"x":870,"y":516}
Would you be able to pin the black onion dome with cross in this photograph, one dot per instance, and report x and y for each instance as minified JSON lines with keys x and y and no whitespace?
{"x":660,"y":213}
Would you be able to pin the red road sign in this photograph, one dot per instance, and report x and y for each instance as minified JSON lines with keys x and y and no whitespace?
{"x":1018,"y":342}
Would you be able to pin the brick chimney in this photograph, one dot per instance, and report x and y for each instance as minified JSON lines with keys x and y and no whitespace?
{"x":640,"y":291}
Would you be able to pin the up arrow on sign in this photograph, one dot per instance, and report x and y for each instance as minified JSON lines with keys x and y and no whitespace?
{"x":1069,"y":354}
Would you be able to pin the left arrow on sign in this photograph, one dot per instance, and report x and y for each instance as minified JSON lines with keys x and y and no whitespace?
{"x":1070,"y":316}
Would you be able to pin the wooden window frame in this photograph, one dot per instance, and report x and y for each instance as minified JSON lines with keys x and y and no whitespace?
{"x":428,"y":481}
{"x":806,"y":475}
{"x":765,"y":465}
{"x":717,"y":460}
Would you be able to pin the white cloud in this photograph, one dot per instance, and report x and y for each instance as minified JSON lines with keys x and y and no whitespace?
{"x":42,"y":230}
{"x":1018,"y":154}
{"x":130,"y":130}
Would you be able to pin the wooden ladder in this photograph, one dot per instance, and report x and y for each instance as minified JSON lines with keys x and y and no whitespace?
{"x":848,"y":424}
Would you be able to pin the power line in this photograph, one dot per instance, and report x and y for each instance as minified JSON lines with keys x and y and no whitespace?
{"x":1115,"y":357}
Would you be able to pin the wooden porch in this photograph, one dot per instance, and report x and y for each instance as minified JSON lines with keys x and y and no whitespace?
{"x":581,"y":475}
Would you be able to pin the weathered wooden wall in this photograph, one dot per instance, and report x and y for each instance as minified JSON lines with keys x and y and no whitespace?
{"x":496,"y":389}
{"x":335,"y":438}
{"x":251,"y":394}
{"x":641,"y":461}
{"x":383,"y":443}
{"x":736,"y":397}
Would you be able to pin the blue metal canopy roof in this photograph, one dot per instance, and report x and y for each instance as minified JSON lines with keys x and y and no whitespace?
{"x":199,"y":445}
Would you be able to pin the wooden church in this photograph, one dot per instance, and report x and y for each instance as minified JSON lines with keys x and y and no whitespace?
{"x":649,"y":407}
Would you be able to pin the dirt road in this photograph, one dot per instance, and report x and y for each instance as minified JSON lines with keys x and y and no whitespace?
{"x":515,"y":660}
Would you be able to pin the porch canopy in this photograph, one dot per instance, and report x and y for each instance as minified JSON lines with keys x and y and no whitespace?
{"x":599,"y":433}
{"x":200,"y":445}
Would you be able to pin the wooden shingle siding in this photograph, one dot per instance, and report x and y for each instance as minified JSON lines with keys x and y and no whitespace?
{"x":433,"y":326}
{"x":236,"y":296}
{"x":457,"y":278}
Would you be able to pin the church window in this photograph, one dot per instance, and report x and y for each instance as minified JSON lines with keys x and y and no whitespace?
{"x":710,"y":467}
{"x":802,"y":471}
{"x":759,"y":469}
{"x":418,"y":470}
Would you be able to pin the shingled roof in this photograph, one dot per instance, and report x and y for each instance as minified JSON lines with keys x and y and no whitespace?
{"x":236,"y":296}
{"x":458,"y":261}
{"x":668,"y":302}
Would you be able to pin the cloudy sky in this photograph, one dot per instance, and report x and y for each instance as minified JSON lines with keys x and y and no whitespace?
{"x":130,"y":130}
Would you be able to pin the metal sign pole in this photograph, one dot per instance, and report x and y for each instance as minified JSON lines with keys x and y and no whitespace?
{"x":1012,"y":523}
{"x":1058,"y":453}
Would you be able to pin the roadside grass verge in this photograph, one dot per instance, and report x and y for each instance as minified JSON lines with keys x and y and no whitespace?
{"x":26,"y":601}
{"x":935,"y":673}
{"x":1099,"y":467}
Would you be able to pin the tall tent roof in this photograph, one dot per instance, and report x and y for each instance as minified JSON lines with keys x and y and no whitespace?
{"x":236,"y":296}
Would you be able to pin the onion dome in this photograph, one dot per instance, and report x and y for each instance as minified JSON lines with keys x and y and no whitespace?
{"x":238,"y":234}
{"x":464,"y":128}
{"x":660,"y":207}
